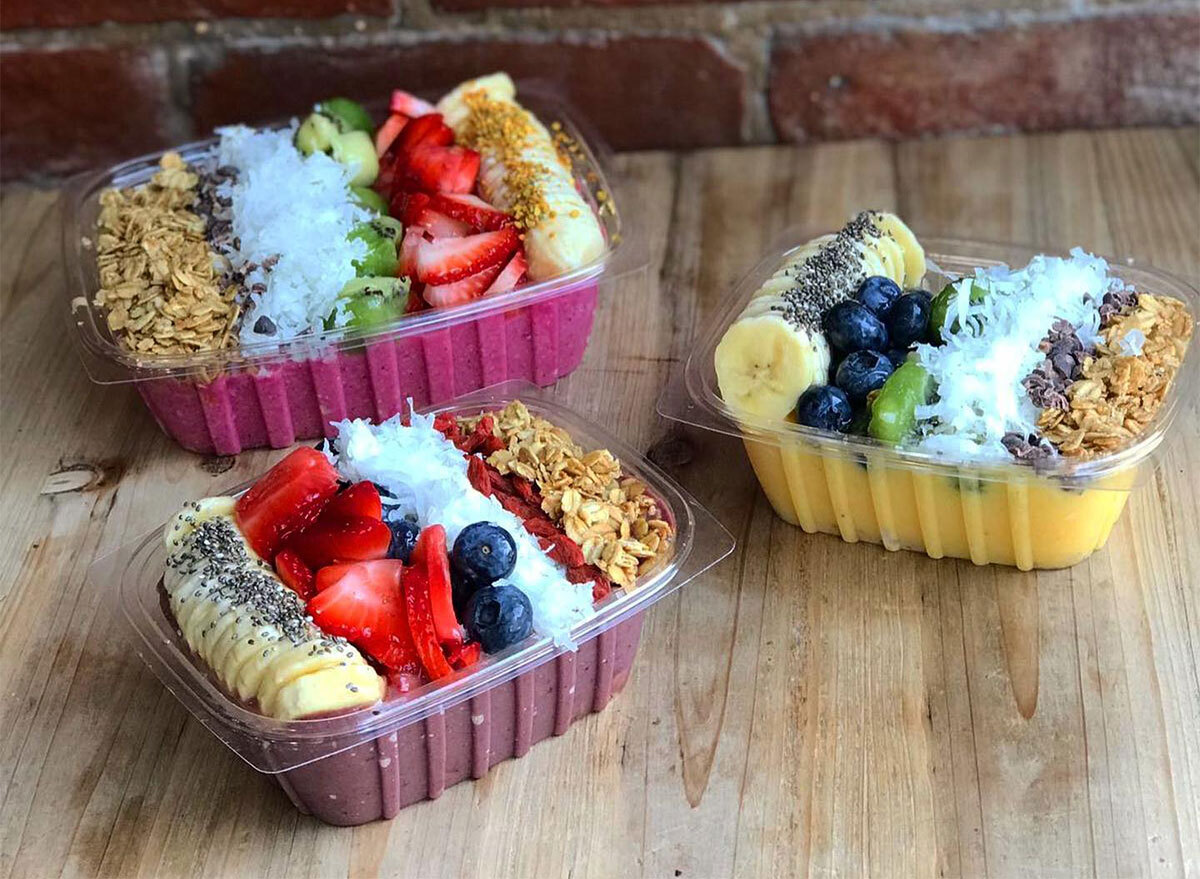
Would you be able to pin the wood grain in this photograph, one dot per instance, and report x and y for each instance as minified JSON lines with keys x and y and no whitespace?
{"x":808,"y":708}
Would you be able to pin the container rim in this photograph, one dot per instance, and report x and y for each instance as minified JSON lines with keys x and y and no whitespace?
{"x":136,"y":567}
{"x":692,"y":396}
{"x":106,"y":362}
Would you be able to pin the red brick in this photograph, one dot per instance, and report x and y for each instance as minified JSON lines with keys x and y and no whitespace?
{"x":639,"y":92}
{"x":38,"y":13}
{"x":1100,"y":72}
{"x":71,"y":110}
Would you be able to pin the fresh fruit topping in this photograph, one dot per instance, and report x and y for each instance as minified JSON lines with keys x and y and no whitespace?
{"x":315,"y":134}
{"x":428,"y":130}
{"x":342,"y":539}
{"x":471,"y":209}
{"x":498,"y":617}
{"x":908,"y":319}
{"x":380,"y":240}
{"x":406,"y":263}
{"x":420,"y":624}
{"x":356,"y":150}
{"x":388,"y":132}
{"x":471,"y":287}
{"x":295,"y":575}
{"x":404,"y":539}
{"x":374,"y":301}
{"x":440,"y":225}
{"x":360,"y":499}
{"x":510,"y":276}
{"x":862,"y":372}
{"x":429,"y":555}
{"x":408,"y":104}
{"x":445,"y":168}
{"x":484,"y":553}
{"x":330,"y":574}
{"x":824,"y":407}
{"x":896,"y":356}
{"x":365,"y":605}
{"x":452,"y":259}
{"x":878,"y":293}
{"x":369,"y":199}
{"x":408,"y":205}
{"x":894,"y":410}
{"x":347,"y":114}
{"x":286,"y":499}
{"x":464,"y":655}
{"x":851,"y":326}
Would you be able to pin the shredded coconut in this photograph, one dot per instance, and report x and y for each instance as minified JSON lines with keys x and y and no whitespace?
{"x":428,"y":476}
{"x":291,"y":215}
{"x":980,"y":367}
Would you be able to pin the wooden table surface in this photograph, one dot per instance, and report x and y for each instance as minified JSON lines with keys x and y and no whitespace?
{"x":809,"y":707}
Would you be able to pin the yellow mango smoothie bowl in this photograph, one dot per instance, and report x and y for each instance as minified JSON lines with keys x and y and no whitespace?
{"x":961,"y":399}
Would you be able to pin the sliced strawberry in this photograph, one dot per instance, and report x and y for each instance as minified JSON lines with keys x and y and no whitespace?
{"x":471,"y":209}
{"x":414,"y":237}
{"x":512,"y":274}
{"x":286,"y":499}
{"x":350,"y":539}
{"x":407,"y":205}
{"x":420,"y":623}
{"x":427,"y":130}
{"x":458,"y":292}
{"x":408,"y":104}
{"x":330,"y":574}
{"x":388,"y":132}
{"x":452,"y":259}
{"x":295,"y":575}
{"x":442,"y":168}
{"x":441,"y":226}
{"x":430,"y":556}
{"x":465,"y":655}
{"x":365,"y":605}
{"x":360,"y":499}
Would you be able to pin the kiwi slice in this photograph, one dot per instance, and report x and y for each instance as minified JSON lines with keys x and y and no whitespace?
{"x":349,"y":115}
{"x":368,"y":198}
{"x":315,"y":134}
{"x":356,"y":149}
{"x":375,"y":301}
{"x":380,"y":238}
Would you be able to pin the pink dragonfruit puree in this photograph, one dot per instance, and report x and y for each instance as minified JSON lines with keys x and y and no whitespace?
{"x":378,"y":778}
{"x":279,"y":404}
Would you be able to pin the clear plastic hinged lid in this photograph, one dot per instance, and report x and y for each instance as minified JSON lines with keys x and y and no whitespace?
{"x":693,"y":397}
{"x":107,"y":362}
{"x":133,"y":575}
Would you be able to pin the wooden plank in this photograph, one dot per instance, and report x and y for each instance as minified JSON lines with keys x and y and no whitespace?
{"x":809,"y":707}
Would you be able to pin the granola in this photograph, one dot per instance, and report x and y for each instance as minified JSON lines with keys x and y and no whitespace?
{"x":1124,"y":381}
{"x":614,"y":519}
{"x":158,"y":283}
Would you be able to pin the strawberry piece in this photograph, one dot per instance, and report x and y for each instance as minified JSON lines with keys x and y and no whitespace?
{"x":452,"y":259}
{"x":465,"y":655}
{"x":335,"y":539}
{"x":471,"y":209}
{"x":478,"y":477}
{"x":286,"y":499}
{"x":430,"y":556}
{"x":425,"y":130}
{"x":458,"y":292}
{"x":295,"y":575}
{"x":389,"y":131}
{"x":420,"y":624}
{"x":409,"y":104}
{"x":441,"y":226}
{"x":330,"y":574}
{"x":360,"y":499}
{"x":444,"y":168}
{"x":363,"y":603}
{"x":511,"y":275}
{"x":414,"y":237}
{"x":408,"y":205}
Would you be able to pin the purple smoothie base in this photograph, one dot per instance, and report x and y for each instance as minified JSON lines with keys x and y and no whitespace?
{"x":376,"y":779}
{"x":279,"y":404}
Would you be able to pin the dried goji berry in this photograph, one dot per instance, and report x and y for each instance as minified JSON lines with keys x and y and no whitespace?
{"x":477,"y":475}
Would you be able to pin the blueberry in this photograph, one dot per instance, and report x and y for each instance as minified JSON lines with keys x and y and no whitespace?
{"x":824,"y":406}
{"x":404,"y":538}
{"x":908,"y":319}
{"x":498,"y":617}
{"x":851,"y":326}
{"x":863,"y":372}
{"x":483,"y":553}
{"x":896,"y":356}
{"x":878,"y":293}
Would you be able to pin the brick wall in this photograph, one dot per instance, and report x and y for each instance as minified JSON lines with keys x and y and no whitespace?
{"x":83,"y":83}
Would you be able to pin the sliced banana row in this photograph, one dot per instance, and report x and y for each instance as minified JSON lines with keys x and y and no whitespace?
{"x":765,"y":361}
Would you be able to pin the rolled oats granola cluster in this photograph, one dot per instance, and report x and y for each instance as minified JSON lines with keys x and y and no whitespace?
{"x":1124,"y":381}
{"x":616,"y":522}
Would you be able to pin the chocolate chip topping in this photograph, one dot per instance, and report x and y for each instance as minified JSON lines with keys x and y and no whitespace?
{"x":1047,"y":384}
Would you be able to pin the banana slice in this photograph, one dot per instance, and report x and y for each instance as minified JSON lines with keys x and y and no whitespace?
{"x":764,"y":363}
{"x":892,"y":257}
{"x":914,"y":253}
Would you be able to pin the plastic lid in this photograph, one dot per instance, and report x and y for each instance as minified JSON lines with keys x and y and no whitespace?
{"x":107,"y":362}
{"x":132,"y":574}
{"x":693,"y":397}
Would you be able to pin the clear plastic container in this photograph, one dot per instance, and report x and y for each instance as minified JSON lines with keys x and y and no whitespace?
{"x":369,"y":764}
{"x":863,"y":490}
{"x":271,"y":394}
